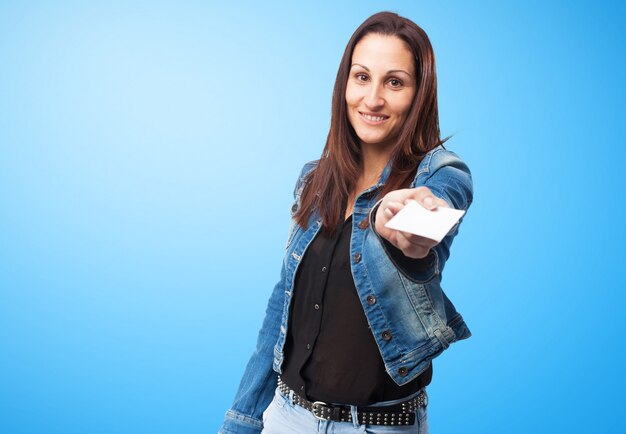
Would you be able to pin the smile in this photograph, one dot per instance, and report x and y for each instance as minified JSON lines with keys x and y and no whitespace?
{"x":373,"y":120}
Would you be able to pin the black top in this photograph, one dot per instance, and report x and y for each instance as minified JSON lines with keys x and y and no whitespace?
{"x":330,"y":352}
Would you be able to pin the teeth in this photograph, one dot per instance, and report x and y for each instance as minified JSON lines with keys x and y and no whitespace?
{"x":373,"y":118}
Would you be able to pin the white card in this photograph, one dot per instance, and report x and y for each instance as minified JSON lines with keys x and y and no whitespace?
{"x":415,"y":219}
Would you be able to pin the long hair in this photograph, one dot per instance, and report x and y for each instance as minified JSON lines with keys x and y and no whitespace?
{"x":330,"y":183}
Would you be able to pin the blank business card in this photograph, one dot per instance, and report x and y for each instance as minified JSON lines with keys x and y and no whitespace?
{"x":416,"y":219}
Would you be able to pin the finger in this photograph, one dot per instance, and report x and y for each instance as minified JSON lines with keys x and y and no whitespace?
{"x":424,"y":197}
{"x":428,"y":202}
{"x":391,"y":209}
{"x":409,"y":249}
{"x":415,"y":240}
{"x":394,"y":206}
{"x":442,"y":203}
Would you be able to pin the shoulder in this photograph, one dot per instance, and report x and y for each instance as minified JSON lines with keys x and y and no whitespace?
{"x":440,"y":157}
{"x":306,"y":169}
{"x":447,"y":176}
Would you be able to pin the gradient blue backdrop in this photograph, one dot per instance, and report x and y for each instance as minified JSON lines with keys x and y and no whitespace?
{"x":148,"y":153}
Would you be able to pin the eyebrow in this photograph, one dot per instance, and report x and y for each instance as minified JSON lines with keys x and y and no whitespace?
{"x":388,"y":72}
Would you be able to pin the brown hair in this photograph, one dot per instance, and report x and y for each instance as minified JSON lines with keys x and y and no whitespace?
{"x":329,"y":184}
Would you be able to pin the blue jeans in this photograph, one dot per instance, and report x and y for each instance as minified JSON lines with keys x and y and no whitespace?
{"x":283,"y":416}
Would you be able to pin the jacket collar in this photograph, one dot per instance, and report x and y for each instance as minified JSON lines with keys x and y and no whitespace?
{"x":387,"y":170}
{"x":384,"y":174}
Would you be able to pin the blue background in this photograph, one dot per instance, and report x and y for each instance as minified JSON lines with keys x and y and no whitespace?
{"x":148,"y":153}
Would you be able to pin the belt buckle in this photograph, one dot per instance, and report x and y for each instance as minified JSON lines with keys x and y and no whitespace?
{"x":316,"y":405}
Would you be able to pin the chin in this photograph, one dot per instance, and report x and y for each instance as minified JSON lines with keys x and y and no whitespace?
{"x":371,"y":140}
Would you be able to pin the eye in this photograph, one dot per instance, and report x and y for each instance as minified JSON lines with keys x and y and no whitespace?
{"x":360,"y":76}
{"x":395,"y":82}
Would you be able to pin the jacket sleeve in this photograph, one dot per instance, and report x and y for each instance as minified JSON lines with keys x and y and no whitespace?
{"x":449,"y":179}
{"x":256,"y":388}
{"x":259,"y":381}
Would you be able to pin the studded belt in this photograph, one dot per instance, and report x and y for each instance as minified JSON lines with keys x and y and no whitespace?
{"x":402,"y":413}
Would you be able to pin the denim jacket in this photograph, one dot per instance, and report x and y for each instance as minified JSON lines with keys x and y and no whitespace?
{"x":410,"y":316}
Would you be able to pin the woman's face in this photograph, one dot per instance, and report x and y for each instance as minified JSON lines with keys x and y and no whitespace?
{"x":380,"y":89}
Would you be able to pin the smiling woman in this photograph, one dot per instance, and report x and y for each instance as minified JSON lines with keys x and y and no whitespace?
{"x":380,"y":89}
{"x":358,"y":314}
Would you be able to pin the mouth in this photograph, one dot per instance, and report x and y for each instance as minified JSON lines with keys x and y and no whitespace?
{"x":373,"y":119}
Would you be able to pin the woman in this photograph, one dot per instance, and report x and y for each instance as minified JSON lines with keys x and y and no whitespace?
{"x":358,"y":313}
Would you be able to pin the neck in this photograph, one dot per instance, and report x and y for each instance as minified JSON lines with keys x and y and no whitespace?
{"x":374,"y":161}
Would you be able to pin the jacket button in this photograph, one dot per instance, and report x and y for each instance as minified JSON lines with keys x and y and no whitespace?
{"x":324,"y":269}
{"x":363,"y":224}
{"x":317,"y":306}
{"x":357,"y":258}
{"x":403,"y":371}
{"x":294,"y":207}
{"x":386,"y":335}
{"x":308,"y":346}
{"x":371,"y":299}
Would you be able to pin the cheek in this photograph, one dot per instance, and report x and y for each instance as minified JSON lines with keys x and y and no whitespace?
{"x":349,"y":98}
{"x":404,"y":107}
{"x":352,"y":95}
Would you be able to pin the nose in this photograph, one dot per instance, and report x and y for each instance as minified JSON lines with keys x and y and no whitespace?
{"x":374,"y":99}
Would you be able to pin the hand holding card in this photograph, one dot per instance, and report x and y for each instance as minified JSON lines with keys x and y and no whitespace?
{"x":415,"y":219}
